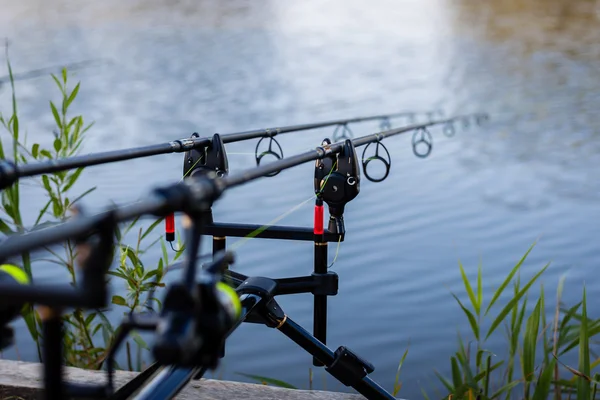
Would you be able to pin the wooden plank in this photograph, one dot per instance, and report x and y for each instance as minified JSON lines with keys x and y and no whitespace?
{"x":24,"y":380}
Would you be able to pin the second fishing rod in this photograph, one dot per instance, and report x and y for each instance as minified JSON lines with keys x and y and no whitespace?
{"x":10,"y":172}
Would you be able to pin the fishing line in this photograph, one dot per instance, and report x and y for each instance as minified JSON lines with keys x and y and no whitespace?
{"x":257,"y":231}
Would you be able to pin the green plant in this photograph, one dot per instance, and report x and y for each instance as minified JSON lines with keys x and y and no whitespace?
{"x":534,"y":344}
{"x":12,"y":220}
{"x":88,"y":333}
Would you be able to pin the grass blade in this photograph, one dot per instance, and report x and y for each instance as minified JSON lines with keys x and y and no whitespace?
{"x":470,"y":316}
{"x":468,"y":288}
{"x":514,"y":300}
{"x":583,"y":385}
{"x":444,"y":381}
{"x":456,"y":375}
{"x":397,"y":383}
{"x":529,"y":346}
{"x":479,"y":288}
{"x":543,"y":385}
{"x":508,"y":279}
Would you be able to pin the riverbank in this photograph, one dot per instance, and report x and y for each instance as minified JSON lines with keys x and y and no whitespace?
{"x":23,"y":381}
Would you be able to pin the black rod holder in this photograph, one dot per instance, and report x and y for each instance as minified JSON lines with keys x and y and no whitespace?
{"x":320,"y":268}
{"x":306,"y":234}
{"x":52,"y":353}
{"x":344,"y":365}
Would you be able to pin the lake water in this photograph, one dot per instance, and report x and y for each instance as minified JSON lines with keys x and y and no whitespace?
{"x":168,"y":68}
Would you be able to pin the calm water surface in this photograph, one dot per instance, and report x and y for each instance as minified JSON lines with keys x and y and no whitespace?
{"x":166,"y":69}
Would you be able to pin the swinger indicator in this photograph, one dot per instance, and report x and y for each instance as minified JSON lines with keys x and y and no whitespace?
{"x":170,"y":227}
{"x":318,"y":229}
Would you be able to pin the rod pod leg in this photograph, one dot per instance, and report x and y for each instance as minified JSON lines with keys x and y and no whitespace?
{"x":343,"y":364}
{"x":320,"y":300}
{"x":52,"y":353}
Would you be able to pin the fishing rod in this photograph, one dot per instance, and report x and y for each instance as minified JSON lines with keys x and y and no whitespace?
{"x":36,"y":73}
{"x":10,"y":172}
{"x":197,"y":317}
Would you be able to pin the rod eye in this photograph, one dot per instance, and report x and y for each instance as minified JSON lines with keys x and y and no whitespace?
{"x":422,"y":138}
{"x":386,"y":161}
{"x":449,"y":130}
{"x":276,"y":152}
{"x":342,"y":132}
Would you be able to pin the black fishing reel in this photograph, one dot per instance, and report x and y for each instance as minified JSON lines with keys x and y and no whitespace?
{"x":210,"y":158}
{"x":194,"y":323}
{"x":277,"y":153}
{"x":337,"y":182}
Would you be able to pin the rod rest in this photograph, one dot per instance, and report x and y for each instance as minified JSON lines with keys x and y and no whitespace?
{"x":317,"y":284}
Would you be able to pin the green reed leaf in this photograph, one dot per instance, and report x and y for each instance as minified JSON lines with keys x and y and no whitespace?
{"x":514,"y":300}
{"x":583,"y":385}
{"x":72,"y":95}
{"x":530,"y":343}
{"x":470,"y":316}
{"x":468,"y":288}
{"x":56,"y":115}
{"x":544,"y":382}
{"x":499,"y":291}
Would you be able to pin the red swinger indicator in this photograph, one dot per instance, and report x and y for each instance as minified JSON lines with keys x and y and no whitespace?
{"x":170,"y":227}
{"x":318,"y":220}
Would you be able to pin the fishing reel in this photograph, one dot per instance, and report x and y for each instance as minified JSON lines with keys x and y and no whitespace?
{"x":337,"y":182}
{"x":194,"y":323}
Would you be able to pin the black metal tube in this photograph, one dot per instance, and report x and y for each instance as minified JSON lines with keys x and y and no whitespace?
{"x":220,"y":229}
{"x":296,"y":285}
{"x":55,"y":296}
{"x":253,"y":134}
{"x":263,"y":170}
{"x":366,"y":386}
{"x":320,"y":300}
{"x":167,"y":383}
{"x":219,"y":242}
{"x":77,"y":227}
{"x":48,"y":167}
{"x":318,"y":153}
{"x":52,"y":353}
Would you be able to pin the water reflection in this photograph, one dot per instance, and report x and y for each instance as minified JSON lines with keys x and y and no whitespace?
{"x":208,"y":66}
{"x":533,"y":62}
